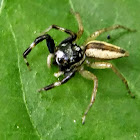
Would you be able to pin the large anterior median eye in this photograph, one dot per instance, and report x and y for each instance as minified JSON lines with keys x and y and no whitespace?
{"x":61,"y":59}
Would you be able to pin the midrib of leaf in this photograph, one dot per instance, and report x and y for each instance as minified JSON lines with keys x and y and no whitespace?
{"x":21,"y":83}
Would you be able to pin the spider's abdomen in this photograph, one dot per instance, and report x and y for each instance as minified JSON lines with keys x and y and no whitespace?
{"x":104,"y":51}
{"x":68,"y":54}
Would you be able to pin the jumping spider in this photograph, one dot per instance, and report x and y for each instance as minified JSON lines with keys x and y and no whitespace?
{"x":71,"y":58}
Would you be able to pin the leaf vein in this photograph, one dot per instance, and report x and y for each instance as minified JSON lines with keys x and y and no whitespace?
{"x":24,"y":97}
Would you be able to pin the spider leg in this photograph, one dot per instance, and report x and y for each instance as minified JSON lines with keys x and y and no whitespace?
{"x":58,"y":83}
{"x":90,"y":76}
{"x":80,"y":25}
{"x":49,"y":41}
{"x":99,"y":32}
{"x":72,"y":37}
{"x":103,"y":65}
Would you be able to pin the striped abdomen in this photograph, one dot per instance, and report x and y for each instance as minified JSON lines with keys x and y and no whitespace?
{"x":103,"y":50}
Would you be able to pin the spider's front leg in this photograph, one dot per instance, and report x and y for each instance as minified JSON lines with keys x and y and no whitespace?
{"x":58,"y":83}
{"x":50,"y":44}
{"x":73,"y":36}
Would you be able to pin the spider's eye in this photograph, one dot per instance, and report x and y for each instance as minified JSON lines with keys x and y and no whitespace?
{"x":59,"y":57}
{"x":61,"y":60}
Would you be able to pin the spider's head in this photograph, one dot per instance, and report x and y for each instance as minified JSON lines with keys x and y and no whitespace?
{"x":68,"y":54}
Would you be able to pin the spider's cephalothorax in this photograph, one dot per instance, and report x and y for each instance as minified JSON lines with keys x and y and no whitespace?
{"x":68,"y":55}
{"x":70,"y":58}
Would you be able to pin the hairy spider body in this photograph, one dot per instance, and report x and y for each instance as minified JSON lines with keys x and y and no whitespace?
{"x":71,"y":58}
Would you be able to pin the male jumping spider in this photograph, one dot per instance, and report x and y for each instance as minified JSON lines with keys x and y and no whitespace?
{"x":71,"y":58}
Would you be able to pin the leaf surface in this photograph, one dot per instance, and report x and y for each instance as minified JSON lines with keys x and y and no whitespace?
{"x":56,"y":114}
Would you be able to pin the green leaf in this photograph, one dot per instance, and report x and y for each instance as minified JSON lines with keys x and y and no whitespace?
{"x":56,"y":114}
